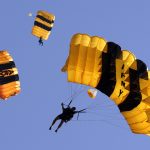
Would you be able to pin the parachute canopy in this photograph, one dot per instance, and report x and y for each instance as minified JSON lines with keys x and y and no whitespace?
{"x":117,"y":73}
{"x":43,"y":24}
{"x":92,"y":93}
{"x":9,"y":79}
{"x":30,"y":14}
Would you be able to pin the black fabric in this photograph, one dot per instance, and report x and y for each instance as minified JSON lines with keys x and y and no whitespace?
{"x":44,"y":19}
{"x":134,"y":98}
{"x":8,"y":79}
{"x":142,"y":69}
{"x":9,"y":65}
{"x":108,"y":77}
{"x":67,"y":114}
{"x":42,"y":26}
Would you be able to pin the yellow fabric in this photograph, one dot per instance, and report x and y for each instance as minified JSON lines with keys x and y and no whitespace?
{"x":12,"y":88}
{"x":46,"y":14}
{"x":40,"y":32}
{"x":84,"y":64}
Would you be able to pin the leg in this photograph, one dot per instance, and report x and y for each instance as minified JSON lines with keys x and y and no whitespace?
{"x":59,"y":125}
{"x":54,"y":121}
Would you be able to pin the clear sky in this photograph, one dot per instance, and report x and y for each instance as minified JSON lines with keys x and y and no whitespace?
{"x":25,"y":118}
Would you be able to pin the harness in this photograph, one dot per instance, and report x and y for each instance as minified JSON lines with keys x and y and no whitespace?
{"x":67,"y":114}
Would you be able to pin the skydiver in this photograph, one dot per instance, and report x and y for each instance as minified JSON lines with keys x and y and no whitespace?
{"x":66,"y":115}
{"x":41,"y":41}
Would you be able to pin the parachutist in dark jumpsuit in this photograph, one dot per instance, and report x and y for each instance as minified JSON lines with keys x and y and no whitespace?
{"x":41,"y":41}
{"x":65,"y":116}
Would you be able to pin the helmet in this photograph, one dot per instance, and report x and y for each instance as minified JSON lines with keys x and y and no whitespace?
{"x":73,"y":108}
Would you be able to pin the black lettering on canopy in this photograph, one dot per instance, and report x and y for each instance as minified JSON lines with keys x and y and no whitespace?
{"x":123,"y":83}
{"x":122,"y":67}
{"x":120,"y":93}
{"x":7,"y":72}
{"x":122,"y":75}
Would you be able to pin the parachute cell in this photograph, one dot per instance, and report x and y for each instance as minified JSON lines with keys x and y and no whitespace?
{"x":117,"y":73}
{"x":84,"y":64}
{"x":9,"y":79}
{"x":43,"y":24}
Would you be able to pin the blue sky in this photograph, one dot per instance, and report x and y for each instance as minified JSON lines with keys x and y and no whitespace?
{"x":25,"y":119}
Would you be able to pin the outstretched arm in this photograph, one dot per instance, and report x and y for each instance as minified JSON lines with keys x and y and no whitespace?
{"x":80,"y":111}
{"x":62,"y":105}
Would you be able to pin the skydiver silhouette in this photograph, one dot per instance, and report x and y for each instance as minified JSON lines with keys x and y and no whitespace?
{"x":41,"y":41}
{"x":66,"y":115}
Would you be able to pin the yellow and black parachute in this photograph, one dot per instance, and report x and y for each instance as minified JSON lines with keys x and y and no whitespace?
{"x":117,"y":73}
{"x":43,"y":24}
{"x":9,"y":79}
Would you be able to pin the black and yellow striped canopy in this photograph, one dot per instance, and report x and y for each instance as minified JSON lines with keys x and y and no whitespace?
{"x":9,"y":78}
{"x":43,"y":24}
{"x":117,"y":73}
